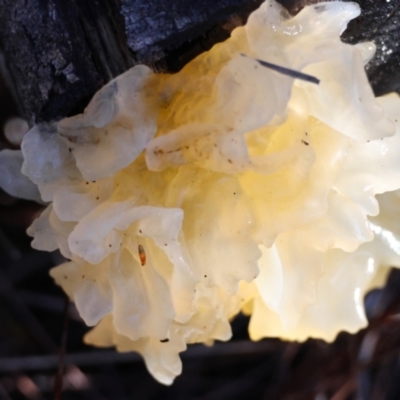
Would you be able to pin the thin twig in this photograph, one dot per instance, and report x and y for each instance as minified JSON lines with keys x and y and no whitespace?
{"x":348,"y":387}
{"x":24,"y":314}
{"x":58,"y":381}
{"x":104,"y":357}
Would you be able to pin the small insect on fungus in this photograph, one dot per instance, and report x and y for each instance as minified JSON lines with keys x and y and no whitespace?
{"x":142,"y":255}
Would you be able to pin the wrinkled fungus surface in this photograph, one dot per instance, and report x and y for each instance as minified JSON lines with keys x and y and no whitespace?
{"x":181,"y":200}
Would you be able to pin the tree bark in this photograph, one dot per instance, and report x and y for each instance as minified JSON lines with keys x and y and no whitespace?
{"x":58,"y":53}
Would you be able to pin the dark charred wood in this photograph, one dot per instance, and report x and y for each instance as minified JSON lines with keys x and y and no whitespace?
{"x":58,"y":53}
{"x":380,"y":23}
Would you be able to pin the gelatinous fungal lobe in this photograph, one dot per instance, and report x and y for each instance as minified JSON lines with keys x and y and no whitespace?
{"x":255,"y":188}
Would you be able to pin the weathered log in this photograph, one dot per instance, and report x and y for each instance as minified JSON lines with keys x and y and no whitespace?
{"x":60,"y":52}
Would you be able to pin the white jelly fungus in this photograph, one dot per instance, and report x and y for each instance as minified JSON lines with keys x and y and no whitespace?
{"x":181,"y":200}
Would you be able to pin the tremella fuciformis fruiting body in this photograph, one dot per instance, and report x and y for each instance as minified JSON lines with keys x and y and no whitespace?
{"x":181,"y":200}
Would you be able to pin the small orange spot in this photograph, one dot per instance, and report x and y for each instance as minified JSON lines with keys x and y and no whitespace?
{"x":142,"y":255}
